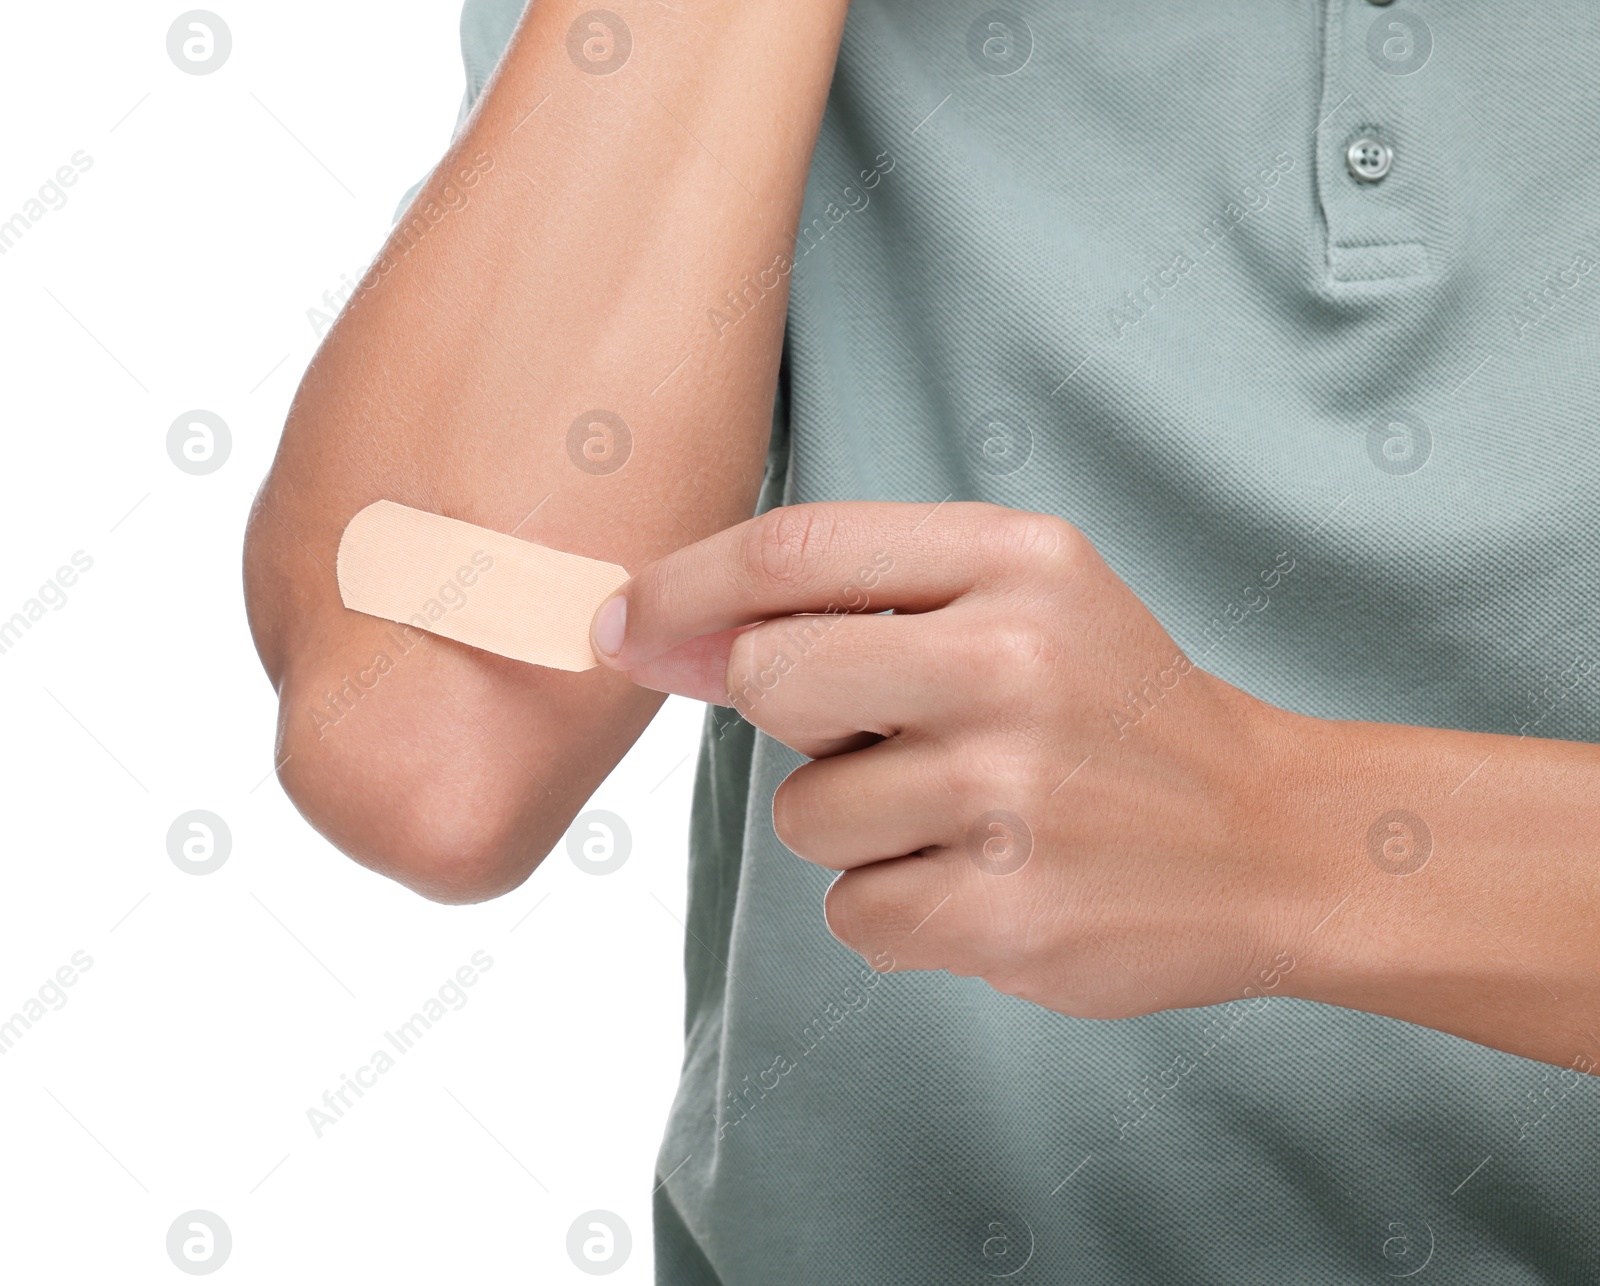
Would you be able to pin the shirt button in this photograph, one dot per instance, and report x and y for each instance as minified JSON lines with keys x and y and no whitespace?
{"x":1369,"y":160}
{"x":1380,"y":2}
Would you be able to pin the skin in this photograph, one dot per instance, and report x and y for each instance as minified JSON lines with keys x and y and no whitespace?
{"x":545,"y":288}
{"x":1200,"y":847}
{"x":1212,"y":848}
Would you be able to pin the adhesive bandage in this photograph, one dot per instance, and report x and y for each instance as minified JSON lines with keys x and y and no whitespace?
{"x":479,"y":587}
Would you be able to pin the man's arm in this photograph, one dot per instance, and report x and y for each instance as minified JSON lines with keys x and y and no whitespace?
{"x":564,"y":259}
{"x":1451,"y":879}
{"x":1051,"y":796}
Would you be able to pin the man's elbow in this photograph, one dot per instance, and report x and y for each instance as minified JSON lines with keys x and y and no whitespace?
{"x":443,"y":813}
{"x":421,"y":759}
{"x":444,"y":840}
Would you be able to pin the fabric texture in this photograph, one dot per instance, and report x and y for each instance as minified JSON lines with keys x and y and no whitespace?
{"x":1107,"y":262}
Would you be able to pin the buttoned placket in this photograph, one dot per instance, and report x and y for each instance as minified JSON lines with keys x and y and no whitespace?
{"x":1374,"y":54}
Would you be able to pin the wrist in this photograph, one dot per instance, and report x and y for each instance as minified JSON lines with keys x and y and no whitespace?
{"x":1356,"y":830}
{"x":1280,"y":774}
{"x":1296,"y":764}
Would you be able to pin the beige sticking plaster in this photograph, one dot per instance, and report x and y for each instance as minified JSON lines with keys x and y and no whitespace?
{"x":479,"y":587}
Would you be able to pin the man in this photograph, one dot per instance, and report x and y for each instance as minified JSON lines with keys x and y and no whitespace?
{"x":1174,"y":602}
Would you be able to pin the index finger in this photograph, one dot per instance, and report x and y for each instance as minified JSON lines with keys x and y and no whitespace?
{"x":851,"y":556}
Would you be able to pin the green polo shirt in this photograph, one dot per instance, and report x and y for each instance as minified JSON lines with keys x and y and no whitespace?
{"x":1291,"y":308}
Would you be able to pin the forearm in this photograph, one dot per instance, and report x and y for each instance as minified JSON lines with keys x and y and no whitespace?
{"x":1450,"y":879}
{"x":607,"y":217}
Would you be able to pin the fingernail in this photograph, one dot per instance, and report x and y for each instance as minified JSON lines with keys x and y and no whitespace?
{"x":610,"y":623}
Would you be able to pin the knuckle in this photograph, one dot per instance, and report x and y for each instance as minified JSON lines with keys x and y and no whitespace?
{"x":743,"y":660}
{"x":1016,"y":648}
{"x":1001,"y":655}
{"x":755,"y":668}
{"x":854,"y":916}
{"x":1011,"y":982}
{"x":1034,"y":543}
{"x":781,"y":545}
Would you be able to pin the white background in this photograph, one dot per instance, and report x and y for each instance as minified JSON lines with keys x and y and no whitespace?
{"x":219,"y":1008}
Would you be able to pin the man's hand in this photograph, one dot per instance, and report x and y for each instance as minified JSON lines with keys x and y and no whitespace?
{"x":1018,"y":772}
{"x":1023,"y":779}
